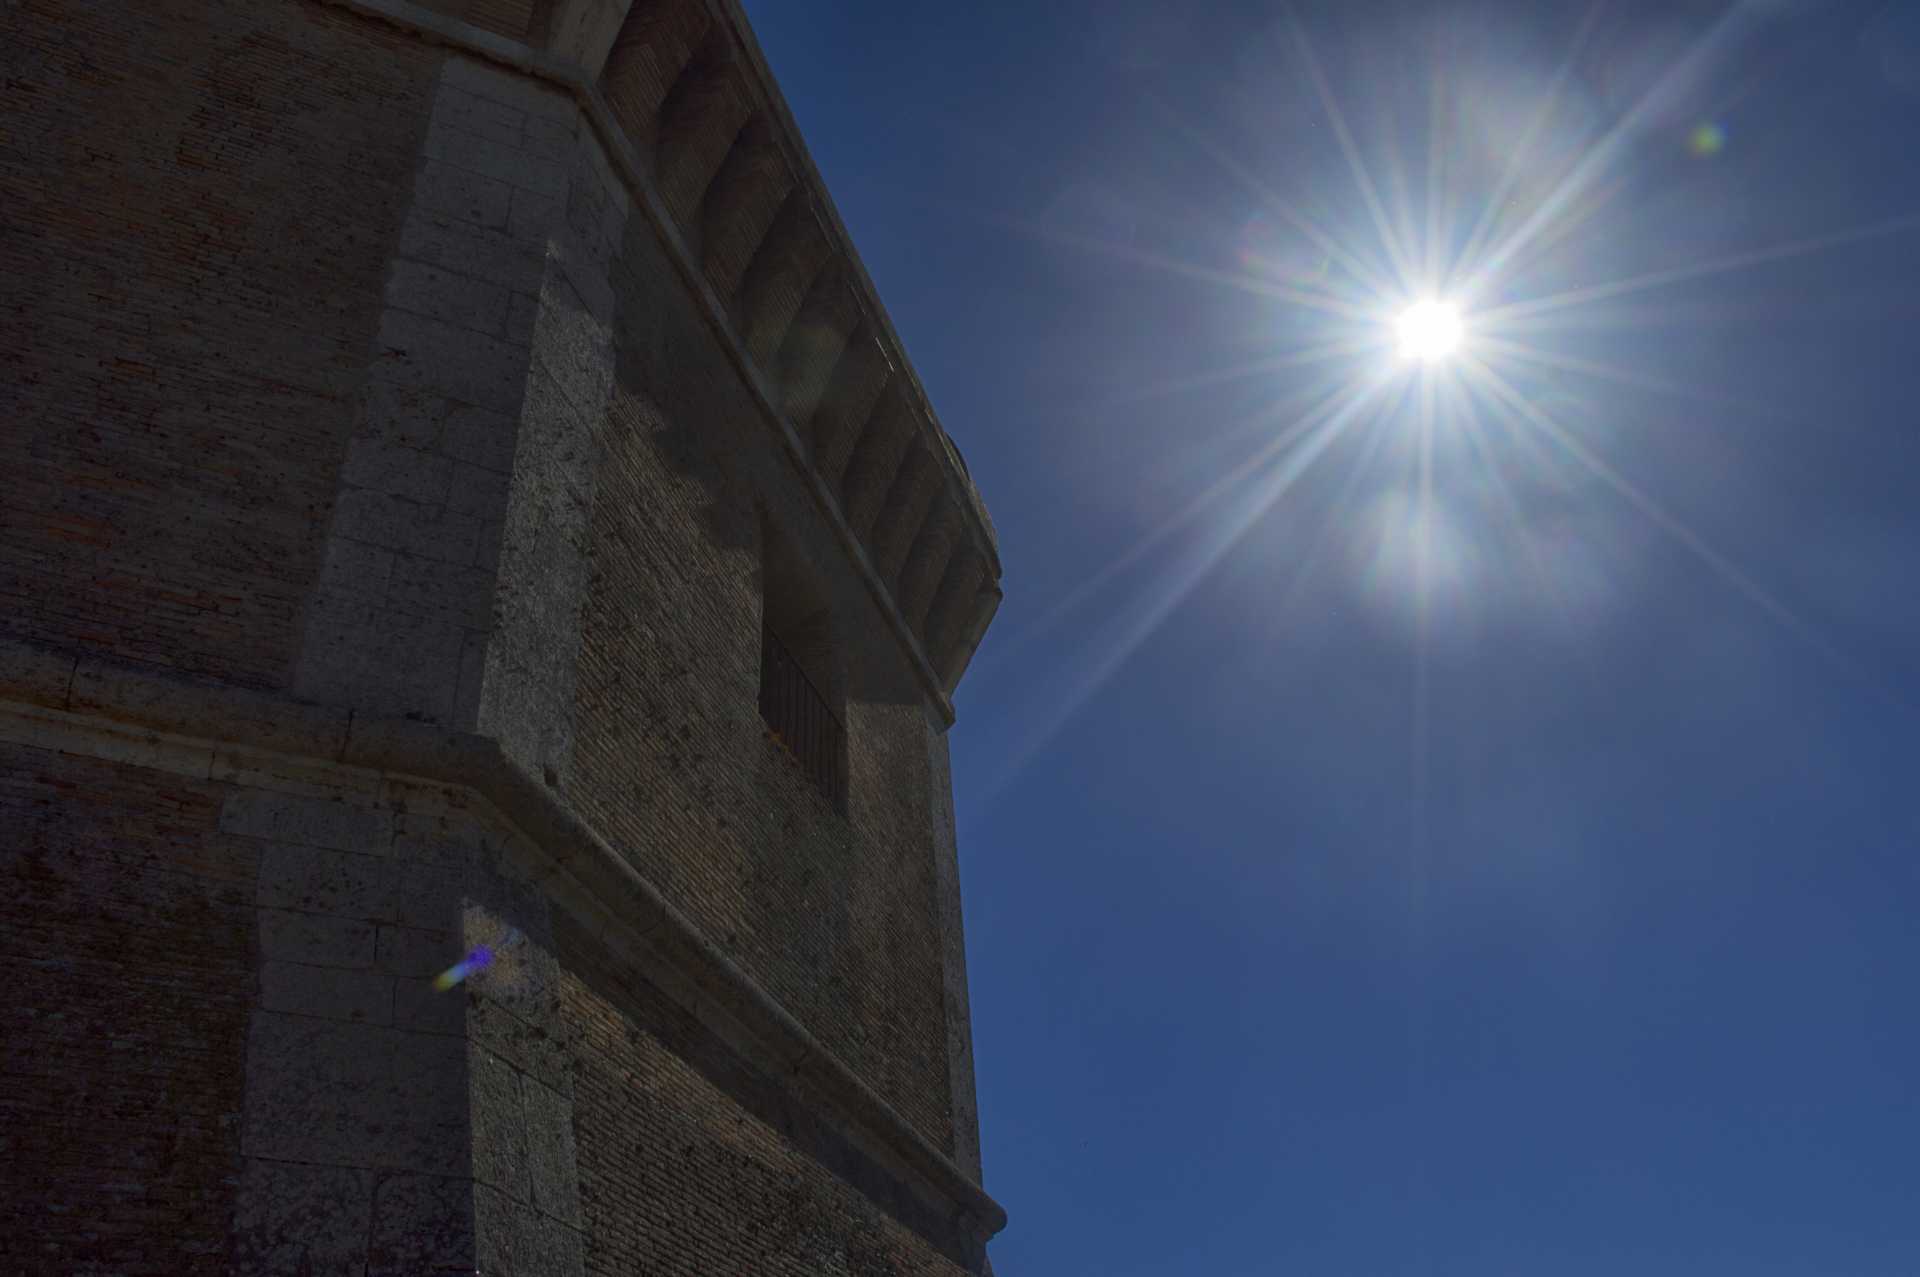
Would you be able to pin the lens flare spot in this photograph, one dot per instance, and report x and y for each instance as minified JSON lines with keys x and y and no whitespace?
{"x":477,"y":959}
{"x":482,"y":957}
{"x":1430,"y":330}
{"x":1706,"y":139}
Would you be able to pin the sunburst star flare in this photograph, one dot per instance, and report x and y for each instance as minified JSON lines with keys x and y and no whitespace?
{"x":1430,"y":330}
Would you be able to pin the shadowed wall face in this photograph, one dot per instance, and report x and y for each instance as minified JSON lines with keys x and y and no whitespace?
{"x":200,"y":212}
{"x":126,"y":926}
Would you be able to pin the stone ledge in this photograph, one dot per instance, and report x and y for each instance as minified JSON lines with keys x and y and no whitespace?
{"x":583,"y":873}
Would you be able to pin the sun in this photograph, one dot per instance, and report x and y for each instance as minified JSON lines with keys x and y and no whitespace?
{"x":1430,"y":330}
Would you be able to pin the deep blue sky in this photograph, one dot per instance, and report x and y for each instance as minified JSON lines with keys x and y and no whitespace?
{"x":1561,"y":915}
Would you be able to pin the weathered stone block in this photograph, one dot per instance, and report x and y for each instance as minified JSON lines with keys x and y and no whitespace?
{"x":395,"y":523}
{"x":293,"y":1220}
{"x":552,"y":1158}
{"x":434,"y":846}
{"x":427,"y":354}
{"x":361,"y":997}
{"x":516,"y":1238}
{"x":310,"y":1083}
{"x":573,"y":346}
{"x":433,"y":588}
{"x":479,"y":437}
{"x":582,"y":264}
{"x":509,"y":162}
{"x":314,"y":822}
{"x":532,"y":1049}
{"x":421,"y":1008}
{"x":315,"y":939}
{"x":448,"y":296}
{"x":411,"y":951}
{"x":523,"y":317}
{"x":473,"y":670}
{"x":499,"y":1126}
{"x":506,"y":87}
{"x":404,"y":415}
{"x":483,"y":117}
{"x":551,"y":138}
{"x":507,"y":257}
{"x":426,"y":896}
{"x":421,"y":1224}
{"x":426,"y":1105}
{"x":443,"y":188}
{"x":353,"y":575}
{"x":532,"y":218}
{"x":346,"y":1094}
{"x":393,"y":666}
{"x":479,"y":492}
{"x":314,"y":880}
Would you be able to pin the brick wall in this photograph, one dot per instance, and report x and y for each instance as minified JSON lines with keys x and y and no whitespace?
{"x":200,"y":202}
{"x":834,"y":916}
{"x":689,"y":1167}
{"x":126,"y":933}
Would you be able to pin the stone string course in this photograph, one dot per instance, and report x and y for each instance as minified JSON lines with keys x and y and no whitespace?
{"x":367,"y":881}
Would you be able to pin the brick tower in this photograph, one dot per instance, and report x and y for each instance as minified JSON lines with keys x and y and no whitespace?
{"x":480,"y":592}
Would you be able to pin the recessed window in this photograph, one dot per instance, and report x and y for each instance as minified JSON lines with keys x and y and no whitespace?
{"x":799,"y":672}
{"x":802,"y":718}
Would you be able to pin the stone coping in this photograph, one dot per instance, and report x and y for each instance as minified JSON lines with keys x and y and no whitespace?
{"x":583,"y":873}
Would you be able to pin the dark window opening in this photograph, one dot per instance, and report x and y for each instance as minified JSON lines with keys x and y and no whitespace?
{"x":800,"y":675}
{"x":802,"y":718}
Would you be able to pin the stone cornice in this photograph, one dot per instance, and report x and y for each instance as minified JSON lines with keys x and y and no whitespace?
{"x":582,"y":873}
{"x":951,"y":578}
{"x":979,"y":523}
